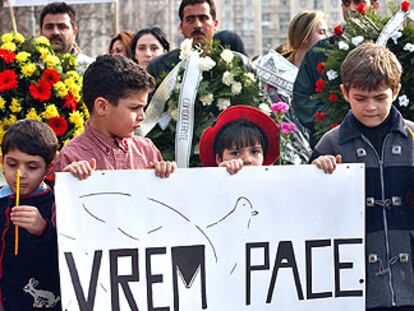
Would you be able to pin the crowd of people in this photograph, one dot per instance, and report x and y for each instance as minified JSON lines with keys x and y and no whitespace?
{"x":116,"y":87}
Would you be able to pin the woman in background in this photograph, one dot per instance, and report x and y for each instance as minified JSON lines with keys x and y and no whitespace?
{"x":305,"y":29}
{"x":147,"y":44}
{"x":121,"y":44}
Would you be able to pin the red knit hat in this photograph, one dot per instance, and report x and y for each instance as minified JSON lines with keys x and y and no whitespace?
{"x":267,"y":125}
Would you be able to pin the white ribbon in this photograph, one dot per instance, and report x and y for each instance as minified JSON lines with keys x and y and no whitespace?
{"x":185,"y":124}
{"x":157,"y":104}
{"x":276,"y":70}
{"x":393,"y":25}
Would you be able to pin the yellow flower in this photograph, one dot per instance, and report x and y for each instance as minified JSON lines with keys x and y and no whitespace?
{"x":73,"y":86}
{"x":78,"y":131}
{"x":73,"y":62}
{"x":32,"y":115}
{"x":66,"y":141}
{"x":18,"y":38}
{"x":22,"y":56}
{"x":85,"y":110}
{"x":28,"y":69}
{"x":76,"y":118}
{"x":50,"y":112}
{"x":15,"y":106}
{"x":2,"y":132}
{"x":8,"y":46}
{"x":7,"y":122}
{"x":2,"y":103}
{"x":7,"y":37}
{"x":42,"y":40}
{"x":61,"y":89}
{"x":52,"y":61}
{"x":73,"y":74}
{"x":44,"y":52}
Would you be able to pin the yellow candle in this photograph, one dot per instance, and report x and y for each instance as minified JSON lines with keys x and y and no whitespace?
{"x":16,"y":228}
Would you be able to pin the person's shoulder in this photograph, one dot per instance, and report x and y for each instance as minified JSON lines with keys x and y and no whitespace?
{"x":329,"y":140}
{"x":143,"y":142}
{"x":164,"y":62}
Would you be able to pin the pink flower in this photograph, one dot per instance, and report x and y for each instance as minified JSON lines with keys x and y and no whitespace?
{"x":280,"y":107}
{"x":287,"y":128}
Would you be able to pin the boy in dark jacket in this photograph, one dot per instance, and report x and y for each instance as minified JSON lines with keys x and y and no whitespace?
{"x":375,"y":133}
{"x":29,"y":279}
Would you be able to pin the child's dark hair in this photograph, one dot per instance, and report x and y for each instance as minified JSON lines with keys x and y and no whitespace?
{"x":113,"y":77}
{"x":31,"y":137}
{"x":240,"y":133}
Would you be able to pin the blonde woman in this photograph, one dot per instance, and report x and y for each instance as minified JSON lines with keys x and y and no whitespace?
{"x":305,"y":29}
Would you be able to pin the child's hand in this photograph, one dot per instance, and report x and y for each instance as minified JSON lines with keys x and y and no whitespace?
{"x":81,"y":169}
{"x":232,"y":166}
{"x":327,"y":163}
{"x":164,"y":169}
{"x":29,"y":218}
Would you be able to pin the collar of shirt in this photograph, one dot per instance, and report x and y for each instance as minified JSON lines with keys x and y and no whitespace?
{"x":6,"y":191}
{"x":104,"y":142}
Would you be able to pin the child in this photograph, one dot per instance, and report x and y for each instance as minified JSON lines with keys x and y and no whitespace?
{"x":29,"y":279}
{"x":115,"y":90}
{"x":375,"y":133}
{"x":242,"y":135}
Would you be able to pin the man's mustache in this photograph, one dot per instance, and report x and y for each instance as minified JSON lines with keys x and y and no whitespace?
{"x":198,"y":31}
{"x":56,"y":37}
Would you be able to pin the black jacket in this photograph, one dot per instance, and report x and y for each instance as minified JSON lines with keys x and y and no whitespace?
{"x":30,"y":280}
{"x":389,"y":206}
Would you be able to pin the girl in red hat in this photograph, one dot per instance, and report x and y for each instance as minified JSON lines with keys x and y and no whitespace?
{"x":242,"y":135}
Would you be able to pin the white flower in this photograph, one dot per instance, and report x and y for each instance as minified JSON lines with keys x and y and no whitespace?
{"x":206,"y":63}
{"x":357,"y":40}
{"x":403,"y":101}
{"x":250,"y":76}
{"x":265,"y":108}
{"x":228,"y":78}
{"x":173,"y":113}
{"x":227,"y":56}
{"x":178,"y":86}
{"x":332,"y":74}
{"x":185,"y":48}
{"x":409,"y":47}
{"x":395,"y":36}
{"x":223,"y":103}
{"x":207,"y":100}
{"x":343,"y":46}
{"x":236,"y":88}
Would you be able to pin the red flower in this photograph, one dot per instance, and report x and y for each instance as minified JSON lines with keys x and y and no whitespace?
{"x":319,"y":85}
{"x":321,"y":68}
{"x":7,"y":56}
{"x":333,"y":98}
{"x":405,"y":6}
{"x":8,"y":80}
{"x":70,"y":102}
{"x":376,"y":5}
{"x":338,"y":30}
{"x":361,"y":8}
{"x":58,"y":124}
{"x":333,"y":125}
{"x":42,"y":91}
{"x":319,"y":116}
{"x":51,"y":76}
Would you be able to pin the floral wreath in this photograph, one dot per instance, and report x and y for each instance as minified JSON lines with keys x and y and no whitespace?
{"x":365,"y":26}
{"x":37,"y":84}
{"x":225,"y":82}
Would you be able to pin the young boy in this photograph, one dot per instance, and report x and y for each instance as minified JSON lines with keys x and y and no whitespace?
{"x":242,"y":135}
{"x":375,"y":133}
{"x":115,"y":90}
{"x":29,"y":279}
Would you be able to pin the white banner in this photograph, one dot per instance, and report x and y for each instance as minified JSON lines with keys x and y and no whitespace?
{"x":45,"y":2}
{"x":267,"y":238}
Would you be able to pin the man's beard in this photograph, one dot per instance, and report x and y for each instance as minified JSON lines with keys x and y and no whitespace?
{"x":61,"y":45}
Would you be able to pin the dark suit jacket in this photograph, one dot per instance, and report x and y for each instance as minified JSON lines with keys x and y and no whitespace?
{"x":163,"y":63}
